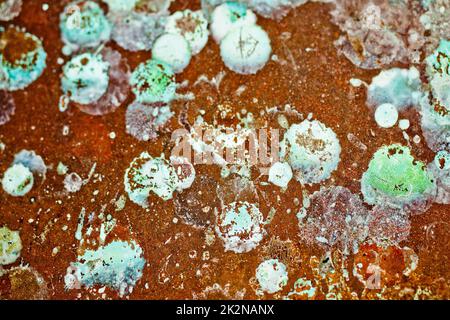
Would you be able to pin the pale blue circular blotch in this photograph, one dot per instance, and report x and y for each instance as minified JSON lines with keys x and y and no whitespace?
{"x":84,"y":24}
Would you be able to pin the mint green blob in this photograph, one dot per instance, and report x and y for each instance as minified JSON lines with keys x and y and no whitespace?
{"x":393,"y":173}
{"x":153,"y":81}
{"x":21,"y":73}
{"x":238,"y":10}
{"x":84,"y":24}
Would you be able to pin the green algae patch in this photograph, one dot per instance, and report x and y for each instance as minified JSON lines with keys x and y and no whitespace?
{"x":153,"y":81}
{"x":395,"y":175}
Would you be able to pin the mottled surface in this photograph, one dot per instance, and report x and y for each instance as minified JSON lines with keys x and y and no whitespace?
{"x":309,"y":75}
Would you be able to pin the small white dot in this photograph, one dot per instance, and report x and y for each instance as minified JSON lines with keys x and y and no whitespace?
{"x":386,"y":115}
{"x":403,"y":124}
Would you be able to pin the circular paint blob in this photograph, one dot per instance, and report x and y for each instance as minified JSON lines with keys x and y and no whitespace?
{"x":192,"y":25}
{"x":246,"y":50}
{"x":174,"y":50}
{"x":153,"y":81}
{"x":386,"y":115}
{"x":83,"y":24}
{"x":280,"y":173}
{"x":395,"y":179}
{"x":404,"y":124}
{"x":229,"y":16}
{"x":17,"y":180}
{"x":240,"y":226}
{"x":312,"y":150}
{"x":272,"y":275}
{"x":22,"y":58}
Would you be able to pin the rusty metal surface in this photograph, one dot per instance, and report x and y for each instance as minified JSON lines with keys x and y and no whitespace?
{"x":311,"y":81}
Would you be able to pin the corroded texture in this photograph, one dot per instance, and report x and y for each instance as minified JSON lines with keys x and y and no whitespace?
{"x":183,"y":261}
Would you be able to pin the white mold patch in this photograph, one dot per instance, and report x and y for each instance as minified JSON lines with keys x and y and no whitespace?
{"x":117,"y":265}
{"x":336,"y":218}
{"x":118,"y":85}
{"x":246,"y":50}
{"x":147,"y":174}
{"x":192,"y":25}
{"x":240,"y":225}
{"x":17,"y":180}
{"x":280,"y":174}
{"x":312,"y":150}
{"x":272,"y":276}
{"x":398,"y":87}
{"x":10,"y":246}
{"x":174,"y":50}
{"x":136,"y":31}
{"x":229,"y":16}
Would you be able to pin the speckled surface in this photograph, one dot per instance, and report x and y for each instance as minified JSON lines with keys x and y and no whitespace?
{"x":309,"y":75}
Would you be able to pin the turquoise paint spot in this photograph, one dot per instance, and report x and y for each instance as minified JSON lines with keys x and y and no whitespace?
{"x":118,"y":265}
{"x":153,"y":81}
{"x":83,"y":24}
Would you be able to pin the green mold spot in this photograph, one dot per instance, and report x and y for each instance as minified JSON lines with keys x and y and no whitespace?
{"x":153,"y":81}
{"x":395,"y":173}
